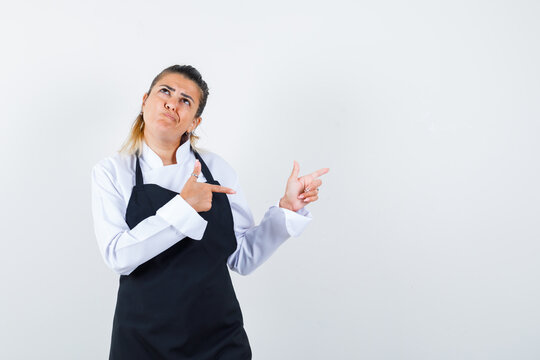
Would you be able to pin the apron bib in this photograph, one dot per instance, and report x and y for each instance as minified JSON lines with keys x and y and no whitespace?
{"x":180,"y":304}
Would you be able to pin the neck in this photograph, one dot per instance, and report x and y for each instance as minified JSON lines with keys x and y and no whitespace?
{"x":164,"y":149}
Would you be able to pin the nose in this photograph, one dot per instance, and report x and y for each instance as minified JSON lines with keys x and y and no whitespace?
{"x":170,"y":105}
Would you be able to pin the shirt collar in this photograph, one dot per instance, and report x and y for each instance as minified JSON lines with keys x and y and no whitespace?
{"x":153,"y":159}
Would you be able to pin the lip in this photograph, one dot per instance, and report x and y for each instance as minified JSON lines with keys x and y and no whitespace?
{"x":169,"y":116}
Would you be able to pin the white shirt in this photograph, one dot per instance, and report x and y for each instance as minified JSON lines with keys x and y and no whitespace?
{"x":123,"y":249}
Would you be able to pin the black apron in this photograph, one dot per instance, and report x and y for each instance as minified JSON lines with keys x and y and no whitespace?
{"x":180,"y":304}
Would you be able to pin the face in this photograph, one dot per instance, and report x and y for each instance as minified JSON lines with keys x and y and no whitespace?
{"x":169,"y":110}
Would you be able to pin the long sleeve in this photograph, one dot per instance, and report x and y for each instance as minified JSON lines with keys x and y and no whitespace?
{"x":256,"y":243}
{"x":122,"y":249}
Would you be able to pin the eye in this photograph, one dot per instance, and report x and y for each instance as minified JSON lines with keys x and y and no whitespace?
{"x":187,"y":102}
{"x":163,"y":89}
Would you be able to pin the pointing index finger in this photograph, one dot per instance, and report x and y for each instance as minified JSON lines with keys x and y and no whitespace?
{"x":222,"y":189}
{"x":319,"y":172}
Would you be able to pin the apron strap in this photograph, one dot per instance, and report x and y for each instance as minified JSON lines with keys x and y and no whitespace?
{"x":138,"y":172}
{"x":204,"y":168}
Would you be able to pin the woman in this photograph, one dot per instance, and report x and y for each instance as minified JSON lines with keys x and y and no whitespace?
{"x":169,"y":218}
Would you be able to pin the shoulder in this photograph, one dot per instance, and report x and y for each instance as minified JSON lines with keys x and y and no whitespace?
{"x":221,"y":169}
{"x":113,"y":167}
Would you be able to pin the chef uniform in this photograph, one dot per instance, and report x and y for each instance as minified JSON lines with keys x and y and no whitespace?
{"x":177,"y":301}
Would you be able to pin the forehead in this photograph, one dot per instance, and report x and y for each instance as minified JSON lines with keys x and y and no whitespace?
{"x":181,"y":84}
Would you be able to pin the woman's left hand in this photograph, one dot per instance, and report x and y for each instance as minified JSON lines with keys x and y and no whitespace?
{"x":301,"y":191}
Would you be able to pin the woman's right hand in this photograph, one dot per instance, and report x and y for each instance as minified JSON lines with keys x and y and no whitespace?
{"x":199,"y":194}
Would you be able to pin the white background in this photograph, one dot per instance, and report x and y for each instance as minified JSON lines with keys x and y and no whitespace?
{"x":424,"y":243}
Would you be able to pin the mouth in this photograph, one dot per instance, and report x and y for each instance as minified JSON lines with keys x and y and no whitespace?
{"x":169,"y":117}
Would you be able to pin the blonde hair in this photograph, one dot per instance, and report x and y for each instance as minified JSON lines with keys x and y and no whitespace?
{"x":134,"y":142}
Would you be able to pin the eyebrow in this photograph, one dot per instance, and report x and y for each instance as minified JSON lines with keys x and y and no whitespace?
{"x":173,"y":90}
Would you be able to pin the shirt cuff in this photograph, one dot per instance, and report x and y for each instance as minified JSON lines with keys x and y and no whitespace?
{"x":296,"y":221}
{"x":183,"y":217}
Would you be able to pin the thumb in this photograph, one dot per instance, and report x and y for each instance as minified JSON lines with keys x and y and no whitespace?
{"x":196,"y":170}
{"x":295,"y":170}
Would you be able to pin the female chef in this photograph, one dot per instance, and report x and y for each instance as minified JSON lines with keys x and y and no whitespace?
{"x":169,"y":218}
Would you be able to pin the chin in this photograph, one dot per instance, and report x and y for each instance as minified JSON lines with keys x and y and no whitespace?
{"x":165,"y":127}
{"x":166,"y":123}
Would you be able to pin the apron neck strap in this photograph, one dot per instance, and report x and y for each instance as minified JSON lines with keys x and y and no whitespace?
{"x":138,"y":174}
{"x":204,"y":168}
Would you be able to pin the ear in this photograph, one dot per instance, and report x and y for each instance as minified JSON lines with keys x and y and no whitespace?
{"x":196,"y":123}
{"x":145,"y":96}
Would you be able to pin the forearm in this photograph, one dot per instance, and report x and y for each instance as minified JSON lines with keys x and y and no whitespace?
{"x":124,"y":249}
{"x":131,"y":248}
{"x":258,"y":243}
